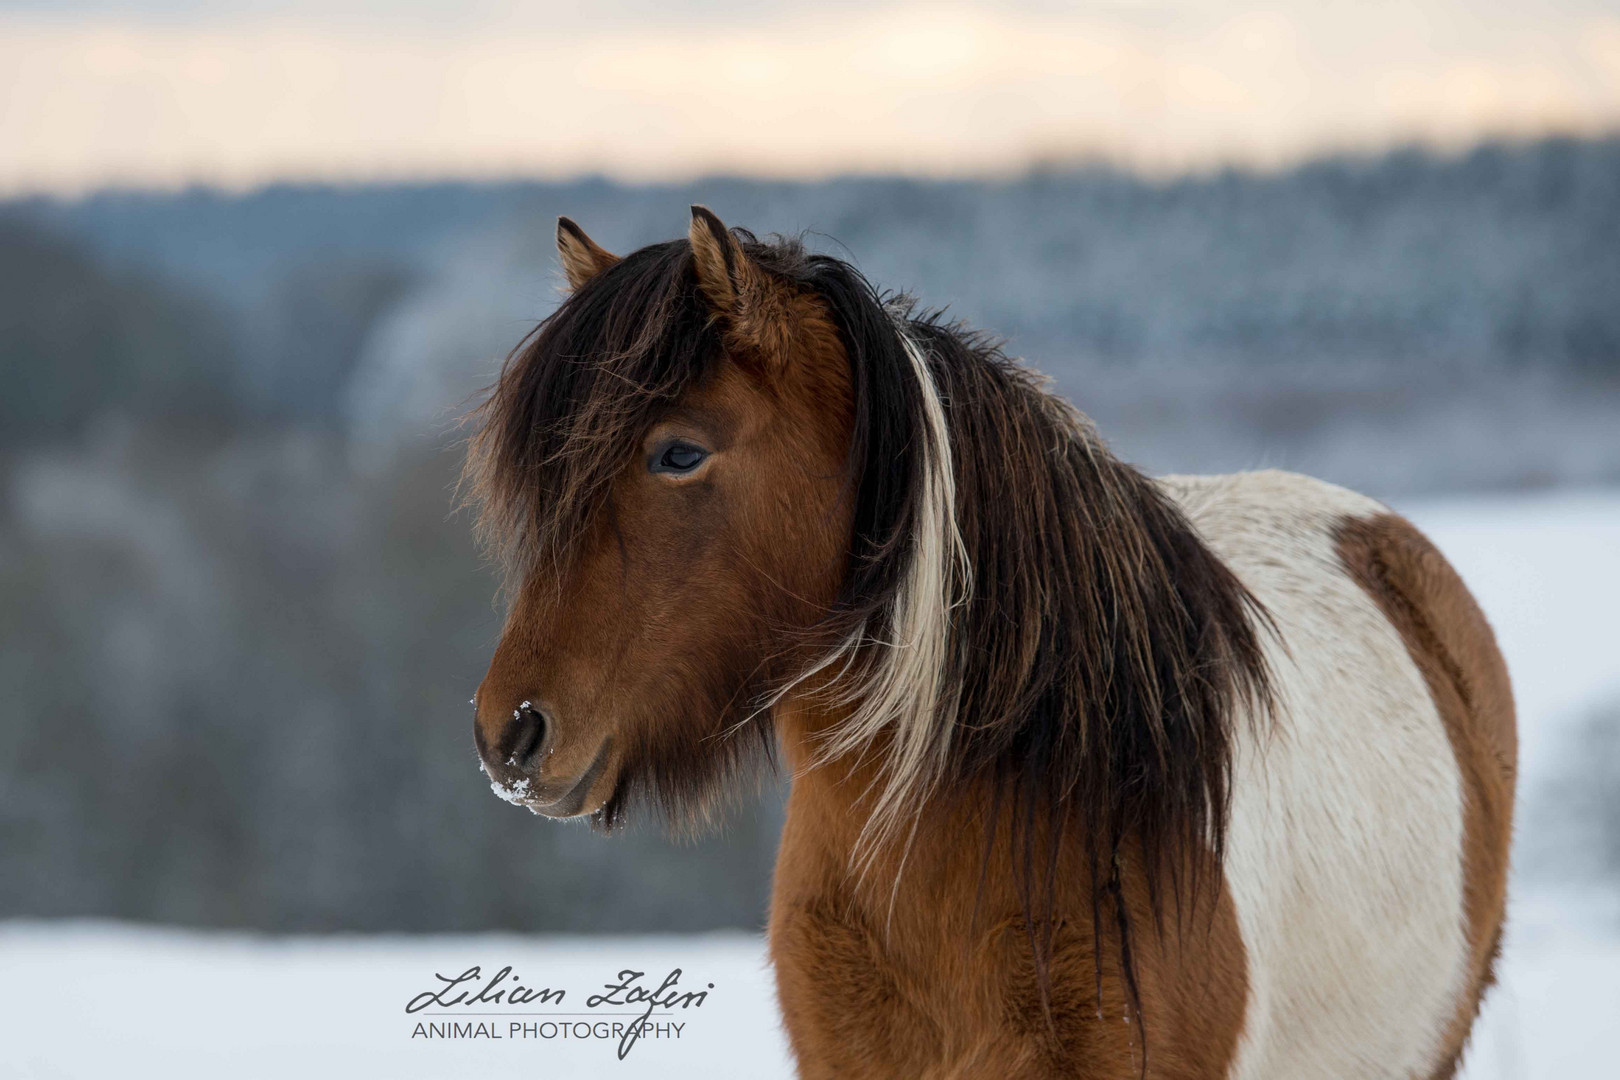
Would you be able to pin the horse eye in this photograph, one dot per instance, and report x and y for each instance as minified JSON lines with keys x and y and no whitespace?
{"x":679,"y":458}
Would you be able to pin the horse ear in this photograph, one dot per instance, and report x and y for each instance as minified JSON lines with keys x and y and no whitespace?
{"x":724,"y":273}
{"x":582,"y":258}
{"x":739,"y":290}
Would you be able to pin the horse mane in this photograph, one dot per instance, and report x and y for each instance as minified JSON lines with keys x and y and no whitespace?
{"x":1096,"y":656}
{"x":1021,"y":605}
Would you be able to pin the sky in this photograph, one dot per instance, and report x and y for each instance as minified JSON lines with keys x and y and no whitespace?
{"x":237,"y":93}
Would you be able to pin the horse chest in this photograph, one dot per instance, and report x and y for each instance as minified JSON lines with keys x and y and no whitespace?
{"x":860,"y":1001}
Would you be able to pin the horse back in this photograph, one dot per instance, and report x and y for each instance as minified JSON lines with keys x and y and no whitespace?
{"x":1372,"y":815}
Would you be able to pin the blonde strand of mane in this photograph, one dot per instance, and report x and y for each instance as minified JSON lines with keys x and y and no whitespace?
{"x":901,"y":689}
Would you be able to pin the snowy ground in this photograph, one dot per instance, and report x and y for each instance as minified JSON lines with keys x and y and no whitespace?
{"x":94,"y":999}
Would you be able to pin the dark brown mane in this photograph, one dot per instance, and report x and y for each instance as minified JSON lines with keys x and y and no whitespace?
{"x":1101,"y":654}
{"x":1105,"y":653}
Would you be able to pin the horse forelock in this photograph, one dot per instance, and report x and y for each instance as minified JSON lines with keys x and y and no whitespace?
{"x":573,"y":400}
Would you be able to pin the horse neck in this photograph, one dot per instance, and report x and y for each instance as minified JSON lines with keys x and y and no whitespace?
{"x":931,"y":872}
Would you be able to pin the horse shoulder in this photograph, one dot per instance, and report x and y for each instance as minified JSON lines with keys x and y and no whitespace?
{"x":849,"y":1006}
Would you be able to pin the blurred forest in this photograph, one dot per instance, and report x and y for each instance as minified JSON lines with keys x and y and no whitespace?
{"x":239,"y":621}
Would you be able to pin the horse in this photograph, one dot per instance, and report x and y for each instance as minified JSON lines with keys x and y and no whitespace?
{"x":1093,"y":774}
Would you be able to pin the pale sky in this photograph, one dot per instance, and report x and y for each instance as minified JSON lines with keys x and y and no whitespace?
{"x":162,"y":93}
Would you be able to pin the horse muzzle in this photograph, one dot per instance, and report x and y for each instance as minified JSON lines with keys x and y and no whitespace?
{"x":519,"y":753}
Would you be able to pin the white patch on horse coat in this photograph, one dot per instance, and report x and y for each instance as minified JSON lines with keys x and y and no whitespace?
{"x":906,"y":690}
{"x":1344,"y":855}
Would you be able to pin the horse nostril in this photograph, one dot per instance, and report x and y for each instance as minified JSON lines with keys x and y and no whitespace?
{"x":528,"y":735}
